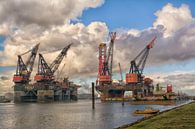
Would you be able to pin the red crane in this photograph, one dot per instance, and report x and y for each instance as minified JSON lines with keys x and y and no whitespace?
{"x":46,"y":72}
{"x":24,"y":70}
{"x":105,"y":61}
{"x":137,"y":65}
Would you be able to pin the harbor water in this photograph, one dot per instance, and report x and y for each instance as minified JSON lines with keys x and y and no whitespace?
{"x":74,"y":115}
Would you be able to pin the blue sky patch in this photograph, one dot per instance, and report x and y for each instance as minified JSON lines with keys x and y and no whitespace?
{"x":131,"y":14}
{"x":2,"y":39}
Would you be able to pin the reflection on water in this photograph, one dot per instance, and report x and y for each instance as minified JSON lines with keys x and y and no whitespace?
{"x":77,"y":115}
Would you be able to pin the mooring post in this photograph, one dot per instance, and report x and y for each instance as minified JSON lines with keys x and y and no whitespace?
{"x":123,"y":101}
{"x":93,"y":96}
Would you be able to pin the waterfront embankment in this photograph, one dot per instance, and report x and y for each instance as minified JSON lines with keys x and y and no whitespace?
{"x":182,"y":117}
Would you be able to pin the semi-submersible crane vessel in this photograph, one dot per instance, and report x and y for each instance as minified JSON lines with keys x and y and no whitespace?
{"x":135,"y":80}
{"x":46,"y":87}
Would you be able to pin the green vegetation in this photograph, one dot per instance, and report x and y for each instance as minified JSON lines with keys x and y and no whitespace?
{"x":180,"y":118}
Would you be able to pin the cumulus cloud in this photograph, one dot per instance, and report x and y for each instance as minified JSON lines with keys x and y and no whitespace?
{"x":173,"y":18}
{"x":30,"y":22}
{"x":45,"y":13}
{"x":25,"y":23}
{"x":175,"y":30}
{"x":177,"y":48}
{"x":85,"y":40}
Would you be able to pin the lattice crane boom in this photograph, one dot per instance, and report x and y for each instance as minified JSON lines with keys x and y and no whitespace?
{"x":43,"y":67}
{"x":21,"y":67}
{"x":56,"y":63}
{"x":24,"y":70}
{"x":109,"y":57}
{"x":105,"y":61}
{"x":138,"y":64}
{"x":30,"y":61}
{"x":110,"y":51}
{"x":45,"y":71}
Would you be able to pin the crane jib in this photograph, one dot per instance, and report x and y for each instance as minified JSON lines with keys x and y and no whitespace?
{"x":45,"y":71}
{"x":138,"y":64}
{"x":23,"y":70}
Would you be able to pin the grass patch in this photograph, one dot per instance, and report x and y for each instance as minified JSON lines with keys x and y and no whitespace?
{"x":180,"y":118}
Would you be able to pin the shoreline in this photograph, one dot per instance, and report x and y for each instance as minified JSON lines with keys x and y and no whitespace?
{"x":152,"y":116}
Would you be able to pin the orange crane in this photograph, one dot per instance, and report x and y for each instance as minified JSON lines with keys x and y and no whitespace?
{"x":46,"y":72}
{"x":135,"y":77}
{"x":24,"y":70}
{"x":105,"y":61}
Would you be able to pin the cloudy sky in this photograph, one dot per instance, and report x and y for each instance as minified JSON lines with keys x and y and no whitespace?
{"x":86,"y":23}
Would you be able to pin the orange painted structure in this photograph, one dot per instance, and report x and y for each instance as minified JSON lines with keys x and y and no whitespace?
{"x":135,"y":81}
{"x":47,"y":87}
{"x":132,"y":78}
{"x":169,"y":89}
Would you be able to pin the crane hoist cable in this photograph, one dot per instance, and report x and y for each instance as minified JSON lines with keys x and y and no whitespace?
{"x":105,"y":61}
{"x":138,"y":64}
{"x":45,"y":71}
{"x":24,"y":70}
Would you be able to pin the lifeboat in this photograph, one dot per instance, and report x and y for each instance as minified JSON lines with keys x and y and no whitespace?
{"x":146,"y":111}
